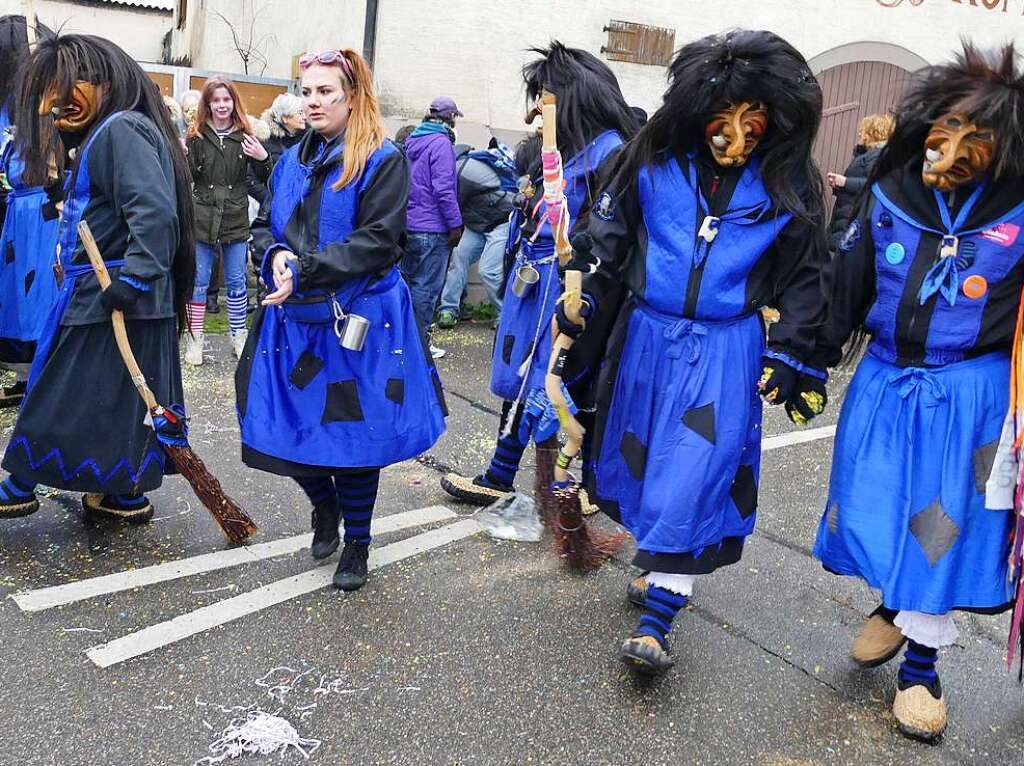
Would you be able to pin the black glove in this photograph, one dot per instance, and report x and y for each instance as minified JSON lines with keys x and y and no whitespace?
{"x":777,"y":381}
{"x":582,"y":258}
{"x":808,"y":399}
{"x":568,"y":327}
{"x":119,"y":296}
{"x":54,"y":196}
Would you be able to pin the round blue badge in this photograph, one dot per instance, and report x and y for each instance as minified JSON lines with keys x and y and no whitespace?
{"x":895,"y":253}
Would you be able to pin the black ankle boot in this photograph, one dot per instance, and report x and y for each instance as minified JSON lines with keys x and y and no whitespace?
{"x":325,"y":529}
{"x":352,"y":568}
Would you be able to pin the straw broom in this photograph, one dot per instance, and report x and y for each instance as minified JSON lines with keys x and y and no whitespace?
{"x":581,"y":547}
{"x":233,"y":521}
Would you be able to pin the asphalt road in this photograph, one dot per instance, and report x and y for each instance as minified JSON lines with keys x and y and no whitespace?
{"x":472,"y":652}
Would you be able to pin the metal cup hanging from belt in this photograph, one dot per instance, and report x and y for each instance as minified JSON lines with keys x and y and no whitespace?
{"x":351,"y":329}
{"x":526,"y":277}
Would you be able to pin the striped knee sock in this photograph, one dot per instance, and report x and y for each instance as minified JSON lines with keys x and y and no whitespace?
{"x":196,"y":314}
{"x":357,"y":494}
{"x":660,"y":608}
{"x":505,"y":463}
{"x":13,"y":490}
{"x":237,"y":305}
{"x":318,"y":489}
{"x":919,"y":665}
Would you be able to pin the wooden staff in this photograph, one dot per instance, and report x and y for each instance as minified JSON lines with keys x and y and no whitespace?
{"x":236,"y":525}
{"x":30,"y":22}
{"x":581,"y":547}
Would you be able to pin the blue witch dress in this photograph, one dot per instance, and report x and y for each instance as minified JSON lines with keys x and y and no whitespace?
{"x":307,"y":405}
{"x":28,"y":241}
{"x":677,"y":446}
{"x":936,"y":282}
{"x":82,"y":425}
{"x":522,"y":345}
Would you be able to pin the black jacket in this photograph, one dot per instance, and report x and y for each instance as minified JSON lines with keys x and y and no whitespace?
{"x":132,"y":211}
{"x":377,"y":239}
{"x":220,"y":189}
{"x":848,"y":197}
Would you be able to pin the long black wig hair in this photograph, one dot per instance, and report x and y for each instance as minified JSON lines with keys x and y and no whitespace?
{"x":988,"y":86}
{"x":590,"y":101}
{"x":58,"y":63}
{"x":736,"y":66}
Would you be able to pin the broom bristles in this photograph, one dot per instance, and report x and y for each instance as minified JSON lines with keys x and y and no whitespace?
{"x":235,"y":523}
{"x":581,"y":547}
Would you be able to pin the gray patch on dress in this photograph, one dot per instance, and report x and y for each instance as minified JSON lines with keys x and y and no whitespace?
{"x":934,"y":531}
{"x":833,"y":517}
{"x":984,"y":459}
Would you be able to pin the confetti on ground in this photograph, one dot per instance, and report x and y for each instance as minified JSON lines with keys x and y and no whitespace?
{"x":281,"y":680}
{"x":260,"y":733}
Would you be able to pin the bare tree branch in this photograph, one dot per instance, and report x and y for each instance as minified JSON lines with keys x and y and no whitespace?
{"x":249,"y":50}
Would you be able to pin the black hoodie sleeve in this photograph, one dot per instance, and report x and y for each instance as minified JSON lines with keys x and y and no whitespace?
{"x":850,"y":289}
{"x":262,"y":236}
{"x":798,"y":293}
{"x":375,"y":243}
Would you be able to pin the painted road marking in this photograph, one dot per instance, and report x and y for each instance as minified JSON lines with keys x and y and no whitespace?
{"x":211,"y":616}
{"x":47,"y":598}
{"x":797,"y":437}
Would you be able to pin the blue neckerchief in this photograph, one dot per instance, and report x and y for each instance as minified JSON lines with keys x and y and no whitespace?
{"x":944,"y":276}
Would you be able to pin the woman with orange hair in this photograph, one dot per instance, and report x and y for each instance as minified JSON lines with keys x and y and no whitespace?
{"x":335,"y":381}
{"x":221,"y":148}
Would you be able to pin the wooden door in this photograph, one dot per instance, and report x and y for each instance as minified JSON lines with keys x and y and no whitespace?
{"x":852,"y":92}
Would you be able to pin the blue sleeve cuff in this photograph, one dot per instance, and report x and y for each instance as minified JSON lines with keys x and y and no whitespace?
{"x":591,"y":303}
{"x":293,"y":267}
{"x":796,"y":364}
{"x":267,"y":266}
{"x":138,"y":284}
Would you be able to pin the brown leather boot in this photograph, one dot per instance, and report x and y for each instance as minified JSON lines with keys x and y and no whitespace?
{"x":879,"y":639}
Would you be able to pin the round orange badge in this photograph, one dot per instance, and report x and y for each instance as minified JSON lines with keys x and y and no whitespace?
{"x":975,"y":286}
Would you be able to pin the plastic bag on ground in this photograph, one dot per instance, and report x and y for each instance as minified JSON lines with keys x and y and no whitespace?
{"x":514,"y":517}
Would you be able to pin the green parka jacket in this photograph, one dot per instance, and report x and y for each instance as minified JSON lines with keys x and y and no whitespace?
{"x":220,"y":191}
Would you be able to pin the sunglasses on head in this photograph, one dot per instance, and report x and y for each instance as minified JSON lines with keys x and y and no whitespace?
{"x":327,"y":58}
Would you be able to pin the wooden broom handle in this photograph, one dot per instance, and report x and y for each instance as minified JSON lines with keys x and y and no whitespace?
{"x":574,"y":431}
{"x":116,"y":317}
{"x":30,"y":22}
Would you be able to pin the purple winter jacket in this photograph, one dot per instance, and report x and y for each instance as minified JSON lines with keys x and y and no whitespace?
{"x":433,"y":191}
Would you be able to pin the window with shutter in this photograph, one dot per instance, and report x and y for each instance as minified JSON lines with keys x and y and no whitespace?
{"x":639,"y":43}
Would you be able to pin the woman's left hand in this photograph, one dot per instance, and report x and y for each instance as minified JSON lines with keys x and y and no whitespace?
{"x":252,"y":147}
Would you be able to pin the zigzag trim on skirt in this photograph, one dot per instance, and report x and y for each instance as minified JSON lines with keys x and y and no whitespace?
{"x":152,"y":455}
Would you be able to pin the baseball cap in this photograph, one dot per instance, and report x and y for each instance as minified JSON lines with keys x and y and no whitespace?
{"x":445,"y":106}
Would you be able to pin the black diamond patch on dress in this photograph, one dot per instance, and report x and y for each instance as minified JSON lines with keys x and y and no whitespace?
{"x":833,"y":517}
{"x":984,"y":459}
{"x":934,"y":531}
{"x":307,"y":368}
{"x":744,"y":491}
{"x":634,"y":453}
{"x":29,"y":279}
{"x":506,"y":348}
{"x":9,"y":253}
{"x":395,"y":390}
{"x":342,"y":403}
{"x":702,"y":420}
